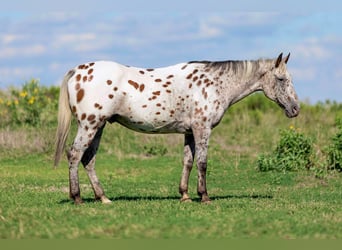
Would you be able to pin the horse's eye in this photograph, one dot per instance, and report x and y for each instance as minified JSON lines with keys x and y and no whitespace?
{"x":281,"y":79}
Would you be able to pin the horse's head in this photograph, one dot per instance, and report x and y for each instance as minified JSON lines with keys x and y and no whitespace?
{"x":277,"y":85}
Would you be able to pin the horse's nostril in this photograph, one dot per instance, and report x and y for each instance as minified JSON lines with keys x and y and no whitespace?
{"x":295,"y":109}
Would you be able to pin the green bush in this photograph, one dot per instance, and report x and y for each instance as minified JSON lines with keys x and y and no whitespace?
{"x":334,"y":150}
{"x":31,"y":105}
{"x":292,"y":153}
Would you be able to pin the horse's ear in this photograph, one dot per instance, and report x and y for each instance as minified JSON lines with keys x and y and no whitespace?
{"x":278,"y":60}
{"x":287,"y":58}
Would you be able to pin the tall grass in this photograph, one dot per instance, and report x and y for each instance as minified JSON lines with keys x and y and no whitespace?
{"x":248,"y":129}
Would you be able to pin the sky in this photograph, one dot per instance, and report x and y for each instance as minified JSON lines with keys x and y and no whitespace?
{"x":45,"y":42}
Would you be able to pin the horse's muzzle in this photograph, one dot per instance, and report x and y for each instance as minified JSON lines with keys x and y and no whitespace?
{"x":293,"y":111}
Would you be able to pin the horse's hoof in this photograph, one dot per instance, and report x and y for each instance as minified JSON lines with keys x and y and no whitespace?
{"x":105,"y":200}
{"x":78,"y":201}
{"x":206,"y":200}
{"x":186,"y":200}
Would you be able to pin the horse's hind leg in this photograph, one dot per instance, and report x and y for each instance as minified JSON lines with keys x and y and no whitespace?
{"x":88,"y":161}
{"x":81,"y":143}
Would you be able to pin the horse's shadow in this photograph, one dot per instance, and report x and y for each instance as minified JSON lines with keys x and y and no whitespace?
{"x":162,"y":198}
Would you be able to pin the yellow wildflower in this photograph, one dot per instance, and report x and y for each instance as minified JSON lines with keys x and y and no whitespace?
{"x":35,"y":90}
{"x":292,"y":127}
{"x":23,"y":94}
{"x":16,"y":102}
{"x":31,"y":100}
{"x":8,"y":103}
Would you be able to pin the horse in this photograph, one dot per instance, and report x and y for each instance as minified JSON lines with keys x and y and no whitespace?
{"x":187,"y":98}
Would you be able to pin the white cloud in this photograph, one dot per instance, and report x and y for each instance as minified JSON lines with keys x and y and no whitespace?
{"x":303,"y":73}
{"x":20,"y":74}
{"x":10,"y":52}
{"x":313,"y":49}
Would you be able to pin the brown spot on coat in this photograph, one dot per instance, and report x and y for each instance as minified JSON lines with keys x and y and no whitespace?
{"x":90,"y":71}
{"x":83,"y":116}
{"x":77,"y":86}
{"x":198,"y":111}
{"x":90,"y":78}
{"x":149,"y":70}
{"x":109,"y":82}
{"x":169,"y":77}
{"x":190,"y":85}
{"x":74,"y":109}
{"x":141,"y":72}
{"x":144,"y":106}
{"x":141,"y":87}
{"x":157,"y":113}
{"x":134,"y":84}
{"x":78,"y":77}
{"x":168,"y":91}
{"x":85,"y":78}
{"x":158,"y":104}
{"x":79,"y":95}
{"x":110,"y":96}
{"x":91,"y":64}
{"x":189,"y":76}
{"x":115,"y":88}
{"x":91,"y":117}
{"x":156,"y":93}
{"x":158,"y":80}
{"x":182,"y":68}
{"x":204,"y":93}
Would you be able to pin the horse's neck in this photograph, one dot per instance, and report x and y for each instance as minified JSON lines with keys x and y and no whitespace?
{"x":240,"y":79}
{"x":240,"y":89}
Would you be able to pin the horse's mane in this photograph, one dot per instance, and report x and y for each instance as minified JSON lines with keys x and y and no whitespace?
{"x":235,"y":66}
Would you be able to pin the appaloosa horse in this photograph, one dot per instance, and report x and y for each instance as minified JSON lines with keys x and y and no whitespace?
{"x":188,"y":98}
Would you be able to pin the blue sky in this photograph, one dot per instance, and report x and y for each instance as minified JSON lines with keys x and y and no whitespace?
{"x":44,"y":43}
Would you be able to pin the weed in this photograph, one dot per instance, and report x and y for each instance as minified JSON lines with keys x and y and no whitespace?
{"x":291,"y":154}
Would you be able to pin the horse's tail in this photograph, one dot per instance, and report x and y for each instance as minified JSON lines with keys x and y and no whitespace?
{"x":64,"y":117}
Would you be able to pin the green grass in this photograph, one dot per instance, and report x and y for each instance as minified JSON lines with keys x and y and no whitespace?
{"x":246,"y":203}
{"x":141,"y":173}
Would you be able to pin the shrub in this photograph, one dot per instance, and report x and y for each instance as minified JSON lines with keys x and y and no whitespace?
{"x":27,"y":105}
{"x":334,"y":150}
{"x":292,"y":153}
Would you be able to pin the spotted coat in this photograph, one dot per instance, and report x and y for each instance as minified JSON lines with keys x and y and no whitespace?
{"x":189,"y":98}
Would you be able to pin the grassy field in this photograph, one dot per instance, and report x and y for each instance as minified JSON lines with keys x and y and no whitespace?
{"x":141,"y":173}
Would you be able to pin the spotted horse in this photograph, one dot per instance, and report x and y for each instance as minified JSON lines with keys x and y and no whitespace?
{"x":188,"y":98}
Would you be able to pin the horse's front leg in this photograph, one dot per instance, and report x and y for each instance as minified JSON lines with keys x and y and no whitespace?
{"x":188,"y":160}
{"x":202,"y":142}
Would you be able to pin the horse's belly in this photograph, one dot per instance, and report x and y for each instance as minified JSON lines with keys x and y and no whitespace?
{"x":152,"y":126}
